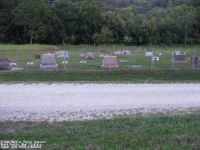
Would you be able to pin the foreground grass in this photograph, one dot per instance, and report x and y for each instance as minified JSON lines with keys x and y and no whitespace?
{"x":136,"y":76}
{"x":150,"y":132}
{"x":24,"y":47}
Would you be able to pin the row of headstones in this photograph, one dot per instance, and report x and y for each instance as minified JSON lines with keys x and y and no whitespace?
{"x":49,"y":61}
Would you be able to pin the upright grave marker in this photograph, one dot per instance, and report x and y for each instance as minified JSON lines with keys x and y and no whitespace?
{"x":63,"y":54}
{"x":110,"y":62}
{"x":5,"y":63}
{"x":48,"y":62}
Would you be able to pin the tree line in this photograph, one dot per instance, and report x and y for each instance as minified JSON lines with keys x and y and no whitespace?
{"x":103,"y":21}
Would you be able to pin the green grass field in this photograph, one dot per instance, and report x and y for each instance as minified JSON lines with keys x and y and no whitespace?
{"x":21,"y":54}
{"x":135,"y":76}
{"x":24,"y":47}
{"x":162,"y":132}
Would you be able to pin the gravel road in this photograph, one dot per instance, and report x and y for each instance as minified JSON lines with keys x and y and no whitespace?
{"x":71,"y":101}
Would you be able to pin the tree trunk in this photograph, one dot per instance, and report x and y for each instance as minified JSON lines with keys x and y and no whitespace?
{"x":186,"y":34}
{"x":31,"y":39}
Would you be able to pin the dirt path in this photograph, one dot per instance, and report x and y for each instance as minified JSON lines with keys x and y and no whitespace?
{"x":48,"y":102}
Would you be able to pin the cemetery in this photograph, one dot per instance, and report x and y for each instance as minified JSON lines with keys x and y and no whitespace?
{"x":97,"y":58}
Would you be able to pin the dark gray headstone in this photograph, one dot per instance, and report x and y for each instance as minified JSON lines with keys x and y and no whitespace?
{"x":195,"y":60}
{"x":37,"y":56}
{"x":5,"y":63}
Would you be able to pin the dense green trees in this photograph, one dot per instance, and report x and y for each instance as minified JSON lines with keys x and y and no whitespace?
{"x":101,"y":21}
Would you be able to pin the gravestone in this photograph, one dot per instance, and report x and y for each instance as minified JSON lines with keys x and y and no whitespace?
{"x":110,"y":62}
{"x":48,"y":62}
{"x":136,"y":66}
{"x":63,"y":54}
{"x":30,"y":63}
{"x":149,"y":53}
{"x":37,"y":56}
{"x":195,"y":60}
{"x":90,"y":55}
{"x":5,"y":63}
{"x":180,"y":58}
{"x":83,"y":62}
{"x":82,"y":55}
{"x":126,"y":52}
{"x":119,"y":52}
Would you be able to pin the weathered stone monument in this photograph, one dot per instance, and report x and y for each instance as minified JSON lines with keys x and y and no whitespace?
{"x":180,"y":58}
{"x":110,"y":62}
{"x":5,"y":63}
{"x":48,"y":62}
{"x":63,"y":54}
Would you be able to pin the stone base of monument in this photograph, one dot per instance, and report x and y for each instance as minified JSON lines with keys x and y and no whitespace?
{"x":48,"y":66}
{"x":111,"y":66}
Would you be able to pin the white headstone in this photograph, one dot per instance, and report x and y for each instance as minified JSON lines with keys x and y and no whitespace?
{"x":128,"y":53}
{"x":149,"y":54}
{"x":119,"y":52}
{"x":63,"y":54}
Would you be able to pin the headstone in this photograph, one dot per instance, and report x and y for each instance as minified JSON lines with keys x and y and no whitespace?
{"x":195,"y":60}
{"x":178,"y":53}
{"x":110,"y":62}
{"x":82,"y":55}
{"x":149,"y":54}
{"x":160,"y":53}
{"x":83,"y":62}
{"x":180,"y":58}
{"x":13,"y":64}
{"x":119,"y":52}
{"x":16,"y":69}
{"x":63,"y":54}
{"x":48,"y":61}
{"x":126,"y":52}
{"x":30,"y":63}
{"x":37,"y":56}
{"x":90,"y":55}
{"x":136,"y":66}
{"x":5,"y":63}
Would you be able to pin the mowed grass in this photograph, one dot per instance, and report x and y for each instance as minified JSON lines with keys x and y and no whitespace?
{"x":123,"y":47}
{"x":162,"y":132}
{"x":134,"y":76}
{"x":24,"y":47}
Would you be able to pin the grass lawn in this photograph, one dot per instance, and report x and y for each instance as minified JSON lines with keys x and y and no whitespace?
{"x":24,"y":47}
{"x":135,"y":76}
{"x":166,"y":132}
